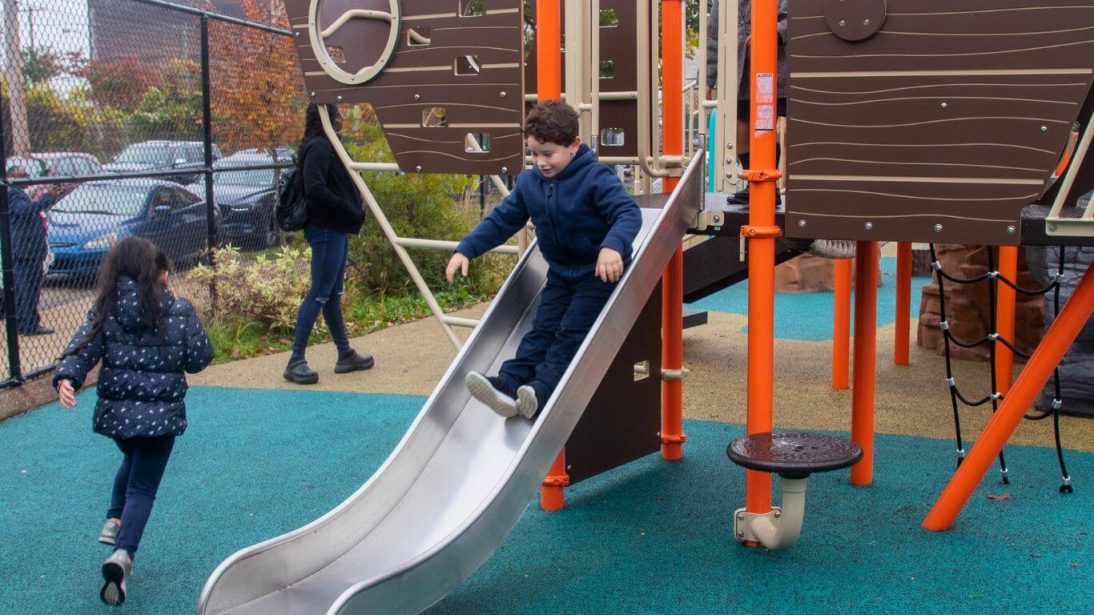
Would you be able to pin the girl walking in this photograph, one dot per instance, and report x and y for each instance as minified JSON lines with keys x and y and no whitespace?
{"x":146,"y":339}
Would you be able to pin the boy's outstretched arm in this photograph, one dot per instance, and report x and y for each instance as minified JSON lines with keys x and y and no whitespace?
{"x":503,"y":222}
{"x":621,"y":212}
{"x":458,"y":262}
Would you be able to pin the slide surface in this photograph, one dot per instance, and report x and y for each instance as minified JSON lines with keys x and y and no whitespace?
{"x":462,"y":476}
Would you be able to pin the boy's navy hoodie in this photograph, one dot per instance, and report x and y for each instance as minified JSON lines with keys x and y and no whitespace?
{"x":141,"y":384}
{"x":576,"y":213}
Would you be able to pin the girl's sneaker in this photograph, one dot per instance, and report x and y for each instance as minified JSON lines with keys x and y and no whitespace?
{"x":109,"y":533}
{"x":116,"y":571}
{"x":482,"y":390}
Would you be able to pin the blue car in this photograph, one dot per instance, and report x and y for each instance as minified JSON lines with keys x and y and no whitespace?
{"x":88,"y":221}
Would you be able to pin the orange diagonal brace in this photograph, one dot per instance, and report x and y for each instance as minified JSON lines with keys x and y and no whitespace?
{"x":1003,"y":423}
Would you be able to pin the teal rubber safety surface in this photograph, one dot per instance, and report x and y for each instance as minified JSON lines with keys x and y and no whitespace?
{"x":808,"y":316}
{"x":650,"y":537}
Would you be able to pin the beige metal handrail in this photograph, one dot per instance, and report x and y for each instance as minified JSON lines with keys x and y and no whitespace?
{"x":1082,"y":226}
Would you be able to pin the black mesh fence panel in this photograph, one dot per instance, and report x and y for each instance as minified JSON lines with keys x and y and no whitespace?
{"x":103,"y":138}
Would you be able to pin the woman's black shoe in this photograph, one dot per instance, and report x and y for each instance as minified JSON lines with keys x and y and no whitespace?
{"x":299,"y":373}
{"x":353,"y":362}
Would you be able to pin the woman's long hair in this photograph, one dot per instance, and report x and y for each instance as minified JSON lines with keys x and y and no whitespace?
{"x":143,"y":262}
{"x":313,"y":127}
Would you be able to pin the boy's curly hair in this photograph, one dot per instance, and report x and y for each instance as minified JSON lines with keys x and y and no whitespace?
{"x":552,"y":121}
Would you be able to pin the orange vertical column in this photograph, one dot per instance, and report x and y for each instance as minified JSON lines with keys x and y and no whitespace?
{"x":841,"y":325}
{"x":762,"y":232}
{"x":1002,"y":424}
{"x":862,"y":391}
{"x":549,"y":87}
{"x":902,"y":331}
{"x":672,"y":287}
{"x":1004,"y":317}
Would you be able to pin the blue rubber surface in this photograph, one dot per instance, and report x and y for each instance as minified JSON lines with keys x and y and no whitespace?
{"x":651,"y":537}
{"x":808,"y":316}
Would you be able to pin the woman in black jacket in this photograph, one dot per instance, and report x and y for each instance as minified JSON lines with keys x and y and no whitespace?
{"x":334,"y":212}
{"x":147,"y":340}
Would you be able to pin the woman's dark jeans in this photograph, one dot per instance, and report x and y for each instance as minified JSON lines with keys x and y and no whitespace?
{"x":135,"y":486}
{"x":329,"y":250}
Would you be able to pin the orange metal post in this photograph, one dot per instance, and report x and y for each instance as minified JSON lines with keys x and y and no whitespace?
{"x":672,"y":287}
{"x":761,"y":247}
{"x":1004,"y":317}
{"x":841,"y":325}
{"x":549,"y":87}
{"x":862,"y":400}
{"x":902,"y":330}
{"x":1002,"y":424}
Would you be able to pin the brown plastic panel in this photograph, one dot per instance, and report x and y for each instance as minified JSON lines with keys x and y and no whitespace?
{"x":941,"y":126}
{"x":418,"y":78}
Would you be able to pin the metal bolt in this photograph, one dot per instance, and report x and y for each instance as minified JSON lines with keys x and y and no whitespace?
{"x":339,"y":99}
{"x":938,"y":228}
{"x":418,"y":168}
{"x":417,"y":97}
{"x":1052,"y":227}
{"x":865,"y":22}
{"x":729,"y":146}
{"x":1011,"y":229}
{"x":801,"y":223}
{"x":944,"y":105}
{"x":740,"y":534}
{"x":869,"y":226}
{"x":1044,"y":128}
{"x":504,"y":170}
{"x":313,"y":94}
{"x":842,"y":22}
{"x":778,"y":514}
{"x":296,"y":34}
{"x":729,"y":161}
{"x":503,"y":94}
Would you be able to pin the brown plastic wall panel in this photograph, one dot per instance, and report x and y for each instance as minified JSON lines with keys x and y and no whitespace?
{"x":618,"y":46}
{"x":486,"y":97}
{"x":939,"y":125}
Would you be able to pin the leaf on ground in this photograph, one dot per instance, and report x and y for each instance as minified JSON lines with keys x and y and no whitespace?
{"x":1002,"y":497}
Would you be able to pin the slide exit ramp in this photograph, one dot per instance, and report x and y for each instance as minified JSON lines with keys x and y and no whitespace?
{"x":462,"y":476}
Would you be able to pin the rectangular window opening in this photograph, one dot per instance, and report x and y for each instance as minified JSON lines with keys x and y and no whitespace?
{"x":467,"y":66}
{"x":609,"y":18}
{"x":337,"y":54}
{"x":418,"y":36}
{"x":477,"y":142}
{"x":434,"y":117}
{"x":607,"y":69}
{"x":611,"y":137}
{"x":472,"y":8}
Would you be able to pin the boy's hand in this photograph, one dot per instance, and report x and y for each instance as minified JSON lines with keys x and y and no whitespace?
{"x":66,"y":394}
{"x":458,"y":262}
{"x":609,"y":265}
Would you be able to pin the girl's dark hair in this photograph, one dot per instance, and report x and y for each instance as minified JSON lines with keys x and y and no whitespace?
{"x":313,"y":127}
{"x":552,"y":121}
{"x":143,"y":262}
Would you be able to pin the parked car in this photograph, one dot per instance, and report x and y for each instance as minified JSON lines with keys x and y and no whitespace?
{"x":88,"y":221}
{"x":55,"y":164}
{"x":164,"y":156}
{"x":246,"y":199}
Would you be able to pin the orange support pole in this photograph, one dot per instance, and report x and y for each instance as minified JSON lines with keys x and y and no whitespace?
{"x":902,"y":331}
{"x":672,"y":287}
{"x":862,"y":393}
{"x":552,"y":494}
{"x":841,"y":325}
{"x":1002,"y":424}
{"x":1004,"y":317}
{"x":761,"y":247}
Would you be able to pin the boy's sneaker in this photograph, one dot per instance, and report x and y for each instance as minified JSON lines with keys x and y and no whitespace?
{"x":116,"y":571}
{"x":527,"y":404}
{"x":482,"y":390}
{"x":298,"y":372}
{"x":353,"y":362}
{"x":109,"y":533}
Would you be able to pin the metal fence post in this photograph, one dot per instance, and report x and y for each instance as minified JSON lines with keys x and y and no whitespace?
{"x":15,"y":371}
{"x":207,"y":128}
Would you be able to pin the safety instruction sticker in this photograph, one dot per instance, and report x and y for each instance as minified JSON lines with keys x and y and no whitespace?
{"x":764,"y":94}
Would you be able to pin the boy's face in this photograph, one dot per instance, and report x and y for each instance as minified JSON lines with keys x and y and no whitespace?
{"x":551,"y":158}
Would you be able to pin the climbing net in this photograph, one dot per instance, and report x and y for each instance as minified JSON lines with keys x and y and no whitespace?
{"x":993,"y":278}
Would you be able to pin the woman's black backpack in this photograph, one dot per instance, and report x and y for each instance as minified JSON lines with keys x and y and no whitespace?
{"x":291,"y":212}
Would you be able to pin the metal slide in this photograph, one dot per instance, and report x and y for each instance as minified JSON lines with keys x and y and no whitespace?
{"x":462,"y":476}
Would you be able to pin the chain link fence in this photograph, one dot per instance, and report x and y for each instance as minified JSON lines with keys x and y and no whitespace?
{"x":164,"y":120}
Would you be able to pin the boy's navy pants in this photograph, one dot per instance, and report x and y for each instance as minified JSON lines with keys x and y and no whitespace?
{"x":135,"y":486}
{"x":567,"y":310}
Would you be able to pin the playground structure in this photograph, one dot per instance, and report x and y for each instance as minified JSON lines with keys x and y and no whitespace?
{"x":460,"y":478}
